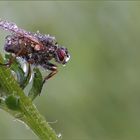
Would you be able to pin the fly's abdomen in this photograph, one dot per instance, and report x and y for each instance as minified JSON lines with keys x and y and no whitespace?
{"x":12,"y":44}
{"x":17,"y":45}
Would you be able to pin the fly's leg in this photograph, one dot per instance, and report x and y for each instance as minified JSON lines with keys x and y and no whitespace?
{"x":11,"y":60}
{"x":53,"y":69}
{"x":50,"y":75}
{"x":8,"y":64}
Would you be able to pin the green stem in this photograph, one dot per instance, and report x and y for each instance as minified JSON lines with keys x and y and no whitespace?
{"x":28,"y":112}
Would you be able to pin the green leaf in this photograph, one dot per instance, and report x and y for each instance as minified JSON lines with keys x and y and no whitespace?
{"x":37,"y":84}
{"x":12,"y":102}
{"x":24,"y":79}
{"x":17,"y":99}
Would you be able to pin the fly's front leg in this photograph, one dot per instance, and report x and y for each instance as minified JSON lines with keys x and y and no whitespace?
{"x":53,"y":69}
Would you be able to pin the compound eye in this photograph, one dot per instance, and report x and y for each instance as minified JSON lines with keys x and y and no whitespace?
{"x":61,"y":54}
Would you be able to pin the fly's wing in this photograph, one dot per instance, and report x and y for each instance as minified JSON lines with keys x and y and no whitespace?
{"x":13,"y":28}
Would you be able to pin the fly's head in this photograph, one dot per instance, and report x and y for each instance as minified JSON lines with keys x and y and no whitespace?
{"x":61,"y":55}
{"x":53,"y":50}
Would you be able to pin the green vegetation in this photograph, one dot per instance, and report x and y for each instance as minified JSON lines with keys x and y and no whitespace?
{"x":96,"y":96}
{"x":14,"y":101}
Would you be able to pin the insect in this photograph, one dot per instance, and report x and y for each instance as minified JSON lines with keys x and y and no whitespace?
{"x":37,"y":49}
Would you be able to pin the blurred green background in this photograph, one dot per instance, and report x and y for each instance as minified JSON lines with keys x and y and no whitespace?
{"x":97,"y":95}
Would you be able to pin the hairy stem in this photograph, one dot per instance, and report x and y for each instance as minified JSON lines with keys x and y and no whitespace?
{"x":27,"y":112}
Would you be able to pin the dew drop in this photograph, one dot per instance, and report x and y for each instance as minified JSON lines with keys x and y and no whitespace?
{"x":25,"y":68}
{"x":2,"y":98}
{"x":38,"y":31}
{"x":59,"y":135}
{"x":31,"y":78}
{"x":17,"y":120}
{"x":53,"y":122}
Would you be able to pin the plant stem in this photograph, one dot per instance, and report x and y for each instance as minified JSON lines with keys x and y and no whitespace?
{"x":28,"y":112}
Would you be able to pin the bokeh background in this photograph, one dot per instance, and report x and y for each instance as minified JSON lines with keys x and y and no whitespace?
{"x":96,"y":96}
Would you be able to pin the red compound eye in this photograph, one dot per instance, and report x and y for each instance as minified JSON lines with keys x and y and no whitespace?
{"x":61,"y":54}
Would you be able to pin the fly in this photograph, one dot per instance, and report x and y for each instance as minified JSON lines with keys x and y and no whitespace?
{"x":35,"y":48}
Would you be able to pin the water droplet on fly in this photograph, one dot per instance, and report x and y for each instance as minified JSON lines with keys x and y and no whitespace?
{"x":37,"y":31}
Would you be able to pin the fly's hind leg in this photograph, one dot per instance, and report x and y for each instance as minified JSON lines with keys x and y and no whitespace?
{"x":12,"y":58}
{"x":10,"y":61}
{"x":53,"y":69}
